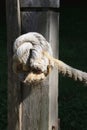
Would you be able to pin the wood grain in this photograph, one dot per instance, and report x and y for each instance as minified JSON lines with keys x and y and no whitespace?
{"x":40,"y":3}
{"x":35,"y":22}
{"x":53,"y":79}
{"x":36,"y":97}
{"x":40,"y":103}
{"x":33,"y":107}
{"x":13,"y":31}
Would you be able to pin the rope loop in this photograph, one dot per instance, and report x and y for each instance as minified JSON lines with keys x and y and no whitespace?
{"x":29,"y":61}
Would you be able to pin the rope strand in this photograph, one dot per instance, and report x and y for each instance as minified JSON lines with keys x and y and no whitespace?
{"x":68,"y":71}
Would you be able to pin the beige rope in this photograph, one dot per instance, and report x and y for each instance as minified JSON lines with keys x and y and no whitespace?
{"x":33,"y":60}
{"x":68,"y":71}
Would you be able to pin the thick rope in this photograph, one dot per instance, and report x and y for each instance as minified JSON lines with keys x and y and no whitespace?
{"x":33,"y":60}
{"x":29,"y":63}
{"x":68,"y":71}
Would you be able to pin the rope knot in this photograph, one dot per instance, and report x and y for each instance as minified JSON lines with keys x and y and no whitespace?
{"x":29,"y":61}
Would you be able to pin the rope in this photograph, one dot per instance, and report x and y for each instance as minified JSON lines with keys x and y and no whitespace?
{"x":33,"y":60}
{"x":29,"y":62}
{"x":69,"y":71}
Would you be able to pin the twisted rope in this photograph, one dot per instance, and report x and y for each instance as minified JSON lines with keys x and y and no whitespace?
{"x":33,"y":60}
{"x":29,"y":61}
{"x":69,"y":71}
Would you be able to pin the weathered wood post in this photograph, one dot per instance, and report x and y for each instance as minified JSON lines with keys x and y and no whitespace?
{"x":32,"y":107}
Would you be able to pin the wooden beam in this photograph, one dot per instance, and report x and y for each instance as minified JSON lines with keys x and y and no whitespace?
{"x":40,"y":103}
{"x":32,"y":107}
{"x":13,"y":31}
{"x":39,"y":3}
{"x":53,"y":79}
{"x":35,"y":22}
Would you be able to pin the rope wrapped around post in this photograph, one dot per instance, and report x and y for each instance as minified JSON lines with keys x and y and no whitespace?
{"x":33,"y":60}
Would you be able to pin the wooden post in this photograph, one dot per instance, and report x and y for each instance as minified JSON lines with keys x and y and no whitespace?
{"x":33,"y":107}
{"x":13,"y":31}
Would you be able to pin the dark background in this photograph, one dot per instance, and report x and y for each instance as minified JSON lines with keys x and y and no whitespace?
{"x":73,"y":51}
{"x":3,"y":67}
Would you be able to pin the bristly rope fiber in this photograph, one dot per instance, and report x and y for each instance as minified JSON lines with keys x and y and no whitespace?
{"x":33,"y":60}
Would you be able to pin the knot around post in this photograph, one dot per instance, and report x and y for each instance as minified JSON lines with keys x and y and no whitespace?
{"x":29,"y":60}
